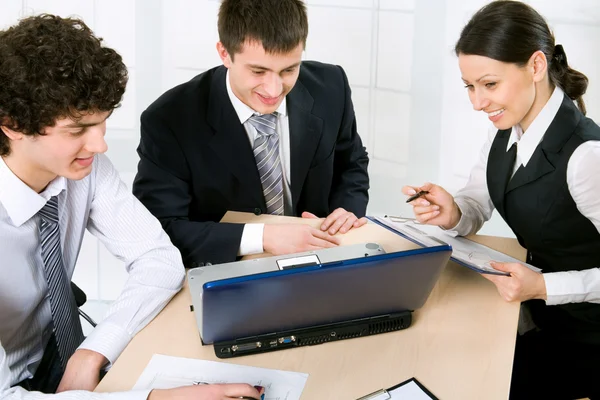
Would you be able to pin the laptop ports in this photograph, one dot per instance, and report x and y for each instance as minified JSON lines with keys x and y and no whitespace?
{"x":286,"y":339}
{"x":246,"y":346}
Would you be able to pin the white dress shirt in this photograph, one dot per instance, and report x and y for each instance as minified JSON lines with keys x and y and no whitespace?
{"x":252,"y":235}
{"x":583,"y":181}
{"x":102,"y":204}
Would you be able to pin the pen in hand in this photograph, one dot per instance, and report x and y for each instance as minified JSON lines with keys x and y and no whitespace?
{"x":417,"y":195}
{"x":261,"y":391}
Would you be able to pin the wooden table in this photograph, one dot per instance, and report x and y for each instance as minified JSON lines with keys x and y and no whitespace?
{"x":460,"y":344}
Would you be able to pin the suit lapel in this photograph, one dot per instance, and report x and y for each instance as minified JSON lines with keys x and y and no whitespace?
{"x":230,"y":141}
{"x":559,"y":131}
{"x":305,"y":133}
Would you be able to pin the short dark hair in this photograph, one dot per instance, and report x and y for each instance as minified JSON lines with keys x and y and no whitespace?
{"x":511,"y":31}
{"x":279,"y":25}
{"x":51,"y":68}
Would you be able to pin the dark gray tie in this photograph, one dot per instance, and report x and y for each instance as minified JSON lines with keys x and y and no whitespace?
{"x":65,"y":318}
{"x":266,"y":154}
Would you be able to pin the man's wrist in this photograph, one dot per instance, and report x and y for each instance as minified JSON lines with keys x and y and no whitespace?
{"x":90,"y":359}
{"x":266,"y":237}
{"x":155,"y":394}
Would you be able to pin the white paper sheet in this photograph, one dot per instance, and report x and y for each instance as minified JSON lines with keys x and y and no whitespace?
{"x":165,"y":372}
{"x":410,"y":391}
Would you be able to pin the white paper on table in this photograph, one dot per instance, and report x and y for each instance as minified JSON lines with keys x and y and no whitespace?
{"x":166,"y":372}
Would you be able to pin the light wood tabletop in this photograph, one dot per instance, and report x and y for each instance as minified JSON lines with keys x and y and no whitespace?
{"x":460,"y":344}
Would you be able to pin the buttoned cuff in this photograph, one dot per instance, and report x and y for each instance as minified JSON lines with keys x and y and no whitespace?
{"x":563,"y":287}
{"x":462,"y":228}
{"x":252,"y":239}
{"x":107,"y":339}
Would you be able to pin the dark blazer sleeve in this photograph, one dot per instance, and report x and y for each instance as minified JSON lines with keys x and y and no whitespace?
{"x":350,"y":184}
{"x":163,"y":184}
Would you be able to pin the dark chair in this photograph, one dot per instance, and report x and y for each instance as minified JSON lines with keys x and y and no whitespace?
{"x":80,"y":299}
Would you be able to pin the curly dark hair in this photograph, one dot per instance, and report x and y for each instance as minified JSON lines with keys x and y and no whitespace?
{"x":51,"y":68}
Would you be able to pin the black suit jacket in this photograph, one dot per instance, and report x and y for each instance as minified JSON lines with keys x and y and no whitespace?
{"x":196,"y":162}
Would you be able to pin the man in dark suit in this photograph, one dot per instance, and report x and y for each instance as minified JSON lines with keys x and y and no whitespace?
{"x":264,"y":133}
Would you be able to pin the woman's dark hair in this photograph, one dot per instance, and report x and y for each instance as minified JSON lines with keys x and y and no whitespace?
{"x":51,"y":68}
{"x":511,"y":31}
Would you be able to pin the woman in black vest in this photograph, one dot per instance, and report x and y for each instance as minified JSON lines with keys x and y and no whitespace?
{"x":540,"y":168}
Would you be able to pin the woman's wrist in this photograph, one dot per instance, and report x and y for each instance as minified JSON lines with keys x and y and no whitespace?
{"x":455,"y":216}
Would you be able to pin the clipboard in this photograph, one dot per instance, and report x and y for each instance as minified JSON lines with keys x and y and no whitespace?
{"x":464,"y":251}
{"x":410,"y":387}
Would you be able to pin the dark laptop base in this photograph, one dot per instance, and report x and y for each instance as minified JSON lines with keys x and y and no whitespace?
{"x":314,"y":335}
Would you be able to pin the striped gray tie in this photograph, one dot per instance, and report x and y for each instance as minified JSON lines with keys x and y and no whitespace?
{"x":266,"y":154}
{"x":65,"y":318}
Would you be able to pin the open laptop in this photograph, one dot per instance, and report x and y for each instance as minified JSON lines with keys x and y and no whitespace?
{"x":197,"y":277}
{"x":315,"y":303}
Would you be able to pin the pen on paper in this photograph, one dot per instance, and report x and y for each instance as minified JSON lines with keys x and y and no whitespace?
{"x":417,"y":195}
{"x":395,"y":218}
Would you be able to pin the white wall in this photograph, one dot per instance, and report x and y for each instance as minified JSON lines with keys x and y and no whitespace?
{"x":413,"y":114}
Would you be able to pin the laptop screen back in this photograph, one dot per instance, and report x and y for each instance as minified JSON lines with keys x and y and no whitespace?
{"x":304,"y":297}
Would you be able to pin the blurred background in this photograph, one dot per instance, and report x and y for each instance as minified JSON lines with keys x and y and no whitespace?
{"x":413,"y":113}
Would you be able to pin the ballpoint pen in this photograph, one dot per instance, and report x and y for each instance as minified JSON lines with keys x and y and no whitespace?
{"x":417,"y":195}
{"x":261,"y":391}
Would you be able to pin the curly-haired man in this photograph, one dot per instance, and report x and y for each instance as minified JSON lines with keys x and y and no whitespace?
{"x":58,"y":85}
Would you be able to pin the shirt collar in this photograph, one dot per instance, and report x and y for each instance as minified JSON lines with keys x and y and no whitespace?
{"x":242,"y":110}
{"x":535,"y":133}
{"x":19,"y":200}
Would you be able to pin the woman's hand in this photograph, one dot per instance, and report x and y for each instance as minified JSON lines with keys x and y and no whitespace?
{"x":435,"y":208}
{"x":522,"y":284}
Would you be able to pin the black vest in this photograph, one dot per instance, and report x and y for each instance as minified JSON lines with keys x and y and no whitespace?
{"x":538,"y":207}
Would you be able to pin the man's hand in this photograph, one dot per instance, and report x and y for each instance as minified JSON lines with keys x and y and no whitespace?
{"x":83,"y":371}
{"x":208,"y":392}
{"x":339,"y":220}
{"x":522,"y":284}
{"x":294,"y":238}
